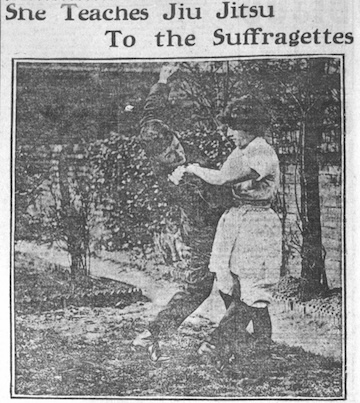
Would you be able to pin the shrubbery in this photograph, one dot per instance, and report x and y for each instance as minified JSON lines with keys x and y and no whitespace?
{"x":136,"y":203}
{"x":112,"y":192}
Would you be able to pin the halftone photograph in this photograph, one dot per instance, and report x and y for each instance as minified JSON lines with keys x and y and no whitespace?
{"x":178,"y":228}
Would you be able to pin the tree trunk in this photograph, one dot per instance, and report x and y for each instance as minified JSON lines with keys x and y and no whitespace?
{"x":73,"y":223}
{"x":313,"y":267}
{"x":285,"y":250}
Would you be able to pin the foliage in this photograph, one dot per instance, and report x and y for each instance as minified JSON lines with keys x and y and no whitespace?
{"x":136,"y":203}
{"x":113,"y":199}
{"x":200,"y":93}
{"x":301,"y":95}
{"x":29,"y":180}
{"x":310,"y":88}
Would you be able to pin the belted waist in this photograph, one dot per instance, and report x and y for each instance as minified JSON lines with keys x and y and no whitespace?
{"x":253,"y":203}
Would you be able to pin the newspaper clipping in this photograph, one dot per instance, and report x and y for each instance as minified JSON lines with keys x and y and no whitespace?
{"x":178,"y":194}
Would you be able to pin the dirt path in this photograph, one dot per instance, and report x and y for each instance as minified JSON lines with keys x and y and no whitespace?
{"x":289,"y":327}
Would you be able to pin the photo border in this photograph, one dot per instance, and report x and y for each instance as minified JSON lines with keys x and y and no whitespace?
{"x":14,"y":65}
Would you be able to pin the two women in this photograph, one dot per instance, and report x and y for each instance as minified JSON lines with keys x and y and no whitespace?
{"x":246,"y":252}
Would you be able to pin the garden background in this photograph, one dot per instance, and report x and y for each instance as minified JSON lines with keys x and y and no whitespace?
{"x":83,"y":184}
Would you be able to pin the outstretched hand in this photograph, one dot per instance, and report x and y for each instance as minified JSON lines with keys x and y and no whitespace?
{"x":179,"y":172}
{"x":167,"y":70}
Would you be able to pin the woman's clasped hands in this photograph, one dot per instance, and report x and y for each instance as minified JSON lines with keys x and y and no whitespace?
{"x":178,"y":173}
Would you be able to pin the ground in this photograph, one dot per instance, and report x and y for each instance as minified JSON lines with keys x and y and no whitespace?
{"x":85,"y":351}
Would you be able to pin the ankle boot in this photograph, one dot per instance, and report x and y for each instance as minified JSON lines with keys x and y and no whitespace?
{"x":262,"y":324}
{"x":230,"y":338}
{"x":231,"y":331}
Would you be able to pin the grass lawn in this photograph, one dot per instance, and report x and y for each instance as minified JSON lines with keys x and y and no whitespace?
{"x":85,"y":351}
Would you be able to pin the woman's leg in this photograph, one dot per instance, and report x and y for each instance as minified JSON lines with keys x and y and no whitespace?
{"x":181,"y":305}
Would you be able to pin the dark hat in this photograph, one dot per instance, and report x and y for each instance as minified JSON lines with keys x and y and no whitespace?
{"x":156,"y":136}
{"x":245,"y":113}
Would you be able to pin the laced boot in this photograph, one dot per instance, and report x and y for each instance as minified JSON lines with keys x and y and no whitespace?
{"x":262,"y":326}
{"x":231,"y":337}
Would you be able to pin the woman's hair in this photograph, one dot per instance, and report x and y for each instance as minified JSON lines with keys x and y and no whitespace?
{"x":246,"y":113}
